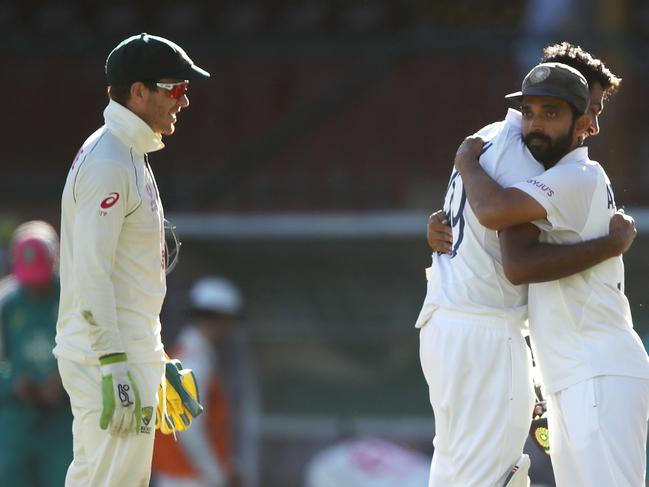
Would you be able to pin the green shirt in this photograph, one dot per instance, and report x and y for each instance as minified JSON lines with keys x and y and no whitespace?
{"x":27,"y":332}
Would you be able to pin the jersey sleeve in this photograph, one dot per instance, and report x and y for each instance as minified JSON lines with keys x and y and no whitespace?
{"x":100,"y":194}
{"x":511,"y":125}
{"x":566,"y":193}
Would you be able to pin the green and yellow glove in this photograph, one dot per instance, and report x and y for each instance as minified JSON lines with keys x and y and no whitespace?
{"x":121,"y":410}
{"x":178,"y":400}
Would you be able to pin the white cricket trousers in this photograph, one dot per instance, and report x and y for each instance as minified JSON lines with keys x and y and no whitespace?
{"x":598,"y":432}
{"x":479,"y":375}
{"x":100,"y":459}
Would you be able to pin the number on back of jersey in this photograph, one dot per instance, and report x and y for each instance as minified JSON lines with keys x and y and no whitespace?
{"x":454,"y":204}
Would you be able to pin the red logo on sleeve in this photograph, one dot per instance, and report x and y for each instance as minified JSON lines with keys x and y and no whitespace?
{"x":110,"y":201}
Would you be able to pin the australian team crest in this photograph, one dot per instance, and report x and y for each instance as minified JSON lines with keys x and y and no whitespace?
{"x":147,"y":415}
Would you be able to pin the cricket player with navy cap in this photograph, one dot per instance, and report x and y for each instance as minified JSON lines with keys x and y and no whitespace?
{"x":472,"y":322}
{"x":113,"y":261}
{"x":593,"y":366}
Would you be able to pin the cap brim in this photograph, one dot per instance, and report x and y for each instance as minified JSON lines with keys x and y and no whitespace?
{"x":515,"y":96}
{"x":190,"y":72}
{"x":518,"y":96}
{"x":194,"y":72}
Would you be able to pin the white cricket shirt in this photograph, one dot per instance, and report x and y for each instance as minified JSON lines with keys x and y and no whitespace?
{"x":471,"y":279}
{"x":580,"y":325}
{"x":112,"y":246}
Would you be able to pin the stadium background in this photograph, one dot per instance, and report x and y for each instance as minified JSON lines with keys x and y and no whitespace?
{"x":306,"y":166}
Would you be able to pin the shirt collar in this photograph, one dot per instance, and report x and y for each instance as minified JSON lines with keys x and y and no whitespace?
{"x":131,"y":129}
{"x":514,"y":117}
{"x":579,"y":154}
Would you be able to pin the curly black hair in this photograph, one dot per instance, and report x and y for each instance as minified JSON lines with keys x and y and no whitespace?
{"x":592,"y":68}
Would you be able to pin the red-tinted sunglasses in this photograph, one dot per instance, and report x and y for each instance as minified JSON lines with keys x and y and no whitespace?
{"x":174,"y":90}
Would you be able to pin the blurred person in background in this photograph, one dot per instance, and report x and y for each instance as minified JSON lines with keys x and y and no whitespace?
{"x":113,"y":266}
{"x":35,"y":418}
{"x":203,"y":456}
{"x":367,"y":462}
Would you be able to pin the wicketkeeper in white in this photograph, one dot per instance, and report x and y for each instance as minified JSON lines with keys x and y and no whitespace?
{"x":108,"y":345}
{"x":472,"y":349}
{"x":594,"y":368}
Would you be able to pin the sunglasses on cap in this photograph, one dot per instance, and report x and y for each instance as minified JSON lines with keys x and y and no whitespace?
{"x":174,"y":90}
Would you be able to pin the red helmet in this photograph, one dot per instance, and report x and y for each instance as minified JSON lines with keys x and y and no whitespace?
{"x":34,"y":253}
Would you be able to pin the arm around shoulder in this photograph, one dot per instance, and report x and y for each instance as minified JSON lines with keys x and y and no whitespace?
{"x":505,"y":207}
{"x":526,"y":260}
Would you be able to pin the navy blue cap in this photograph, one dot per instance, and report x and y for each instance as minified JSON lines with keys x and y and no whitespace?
{"x":555,"y":80}
{"x":147,"y":57}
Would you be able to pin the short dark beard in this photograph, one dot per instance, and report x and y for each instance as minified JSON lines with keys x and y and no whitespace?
{"x":554,"y":150}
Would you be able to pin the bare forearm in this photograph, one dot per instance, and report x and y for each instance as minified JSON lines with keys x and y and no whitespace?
{"x":542,"y":262}
{"x":495,"y":207}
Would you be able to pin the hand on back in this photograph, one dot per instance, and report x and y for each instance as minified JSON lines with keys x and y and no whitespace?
{"x":468,"y":152}
{"x":439,"y":233}
{"x":622,"y":230}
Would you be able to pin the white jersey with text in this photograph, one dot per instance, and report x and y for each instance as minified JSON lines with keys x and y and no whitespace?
{"x":471,"y":279}
{"x":112,"y":246}
{"x":581,"y":325}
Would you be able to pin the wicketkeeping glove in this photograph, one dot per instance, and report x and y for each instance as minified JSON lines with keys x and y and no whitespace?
{"x":178,"y":399}
{"x":121,"y":411}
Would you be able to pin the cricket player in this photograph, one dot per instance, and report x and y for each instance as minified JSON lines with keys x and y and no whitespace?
{"x":113,"y":262}
{"x":594,"y":368}
{"x":472,"y":350}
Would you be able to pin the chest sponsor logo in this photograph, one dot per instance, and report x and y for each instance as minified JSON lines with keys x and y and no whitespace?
{"x":543,"y":187}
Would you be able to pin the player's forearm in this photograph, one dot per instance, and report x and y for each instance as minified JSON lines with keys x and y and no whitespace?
{"x":487,"y":198}
{"x":542,"y":262}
